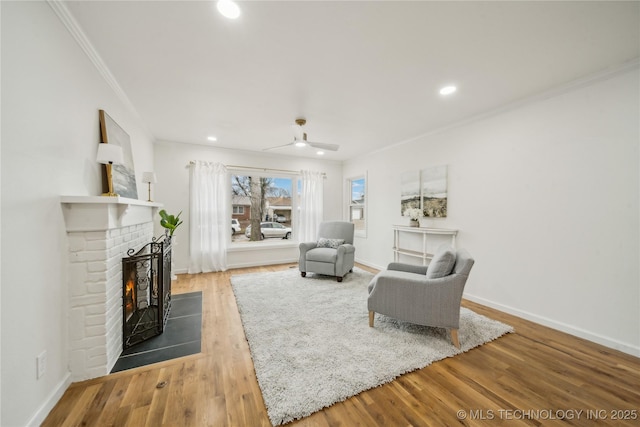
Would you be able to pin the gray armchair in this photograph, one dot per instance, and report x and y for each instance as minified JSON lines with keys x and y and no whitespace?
{"x":425,"y":295}
{"x":333,"y":254}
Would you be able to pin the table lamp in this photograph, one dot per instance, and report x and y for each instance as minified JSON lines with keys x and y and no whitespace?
{"x":108,"y":155}
{"x":149,"y":178}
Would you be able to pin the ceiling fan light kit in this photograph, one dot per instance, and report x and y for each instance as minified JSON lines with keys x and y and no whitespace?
{"x":300,"y":140}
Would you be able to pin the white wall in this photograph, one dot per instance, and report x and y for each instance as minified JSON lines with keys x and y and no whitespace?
{"x":172,"y":189}
{"x":51,"y":94}
{"x":546,"y":200}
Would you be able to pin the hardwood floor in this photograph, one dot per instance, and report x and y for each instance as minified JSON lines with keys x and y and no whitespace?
{"x":531,"y":377}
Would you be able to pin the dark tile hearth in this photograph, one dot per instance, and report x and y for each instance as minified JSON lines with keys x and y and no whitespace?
{"x":181,"y":336}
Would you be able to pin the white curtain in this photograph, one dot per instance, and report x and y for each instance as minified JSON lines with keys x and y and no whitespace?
{"x":311,"y":210}
{"x":209,"y":188}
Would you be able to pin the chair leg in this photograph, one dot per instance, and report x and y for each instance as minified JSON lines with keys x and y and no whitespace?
{"x":454,"y":338}
{"x":371,"y":316}
{"x":303,"y":273}
{"x":339,"y":279}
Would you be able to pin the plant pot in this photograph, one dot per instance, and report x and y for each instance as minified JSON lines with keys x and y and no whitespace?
{"x":414,"y":223}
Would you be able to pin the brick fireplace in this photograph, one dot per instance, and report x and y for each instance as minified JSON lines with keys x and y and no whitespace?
{"x":100,"y":231}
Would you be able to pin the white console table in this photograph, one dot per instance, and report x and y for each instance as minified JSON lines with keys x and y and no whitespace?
{"x":422,"y":253}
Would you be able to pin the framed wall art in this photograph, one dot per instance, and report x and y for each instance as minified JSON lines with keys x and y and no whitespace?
{"x":425,"y":190}
{"x":434,"y":192}
{"x":124,"y":175}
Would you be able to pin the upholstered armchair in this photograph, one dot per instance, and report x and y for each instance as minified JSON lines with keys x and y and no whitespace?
{"x":425,"y":295}
{"x":333,"y":254}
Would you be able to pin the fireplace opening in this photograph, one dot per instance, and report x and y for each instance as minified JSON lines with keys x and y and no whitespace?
{"x":146,"y":291}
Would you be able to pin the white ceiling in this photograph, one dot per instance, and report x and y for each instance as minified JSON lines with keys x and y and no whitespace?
{"x":365,"y":75}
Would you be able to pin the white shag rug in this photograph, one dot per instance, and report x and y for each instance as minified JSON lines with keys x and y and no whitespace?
{"x":312,"y":346}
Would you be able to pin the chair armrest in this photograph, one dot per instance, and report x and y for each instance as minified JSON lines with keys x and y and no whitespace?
{"x":415,"y":298}
{"x":346,"y":248}
{"x":305,"y":246}
{"x":409,"y":268}
{"x":302,"y":259}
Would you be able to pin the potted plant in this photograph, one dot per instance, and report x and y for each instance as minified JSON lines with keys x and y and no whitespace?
{"x":170,"y":222}
{"x":414,"y":214}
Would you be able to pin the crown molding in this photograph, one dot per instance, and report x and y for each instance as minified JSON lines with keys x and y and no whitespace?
{"x":81,"y":38}
{"x":571,"y":86}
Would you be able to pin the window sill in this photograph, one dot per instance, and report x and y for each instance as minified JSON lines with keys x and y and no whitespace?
{"x":262,"y":245}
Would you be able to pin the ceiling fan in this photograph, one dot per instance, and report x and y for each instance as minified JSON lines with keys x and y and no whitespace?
{"x":300,"y":139}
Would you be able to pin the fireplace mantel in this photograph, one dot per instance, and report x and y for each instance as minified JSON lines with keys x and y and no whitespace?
{"x":93,"y":213}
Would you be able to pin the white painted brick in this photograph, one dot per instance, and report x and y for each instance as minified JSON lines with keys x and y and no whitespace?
{"x":95,"y":352}
{"x":77,"y":242}
{"x":96,"y":288}
{"x":77,"y":278}
{"x":95,"y":235}
{"x":95,"y":319}
{"x":88,"y":343}
{"x":94,"y":245}
{"x":95,"y":372}
{"x":88,"y":256}
{"x":94,"y":331}
{"x":76,"y":319}
{"x":96,"y":277}
{"x":95,"y":309}
{"x":77,"y":359}
{"x":97,"y":266}
{"x":88,"y":300}
{"x":96,"y":362}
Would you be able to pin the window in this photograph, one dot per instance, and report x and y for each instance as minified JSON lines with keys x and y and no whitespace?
{"x":357,"y":190}
{"x":268,"y":204}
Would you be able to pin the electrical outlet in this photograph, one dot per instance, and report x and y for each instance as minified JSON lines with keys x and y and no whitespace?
{"x":41,"y":364}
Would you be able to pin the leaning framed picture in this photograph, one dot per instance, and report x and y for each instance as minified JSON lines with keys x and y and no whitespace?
{"x":124,"y":175}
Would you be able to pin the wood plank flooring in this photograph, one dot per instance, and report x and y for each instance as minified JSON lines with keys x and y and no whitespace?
{"x":533,"y":377}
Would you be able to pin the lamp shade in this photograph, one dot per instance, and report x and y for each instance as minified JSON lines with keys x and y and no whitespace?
{"x":149,"y":177}
{"x":109,"y":154}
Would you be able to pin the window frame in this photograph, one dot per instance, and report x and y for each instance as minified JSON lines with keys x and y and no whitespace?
{"x":268,"y":243}
{"x":349,"y":199}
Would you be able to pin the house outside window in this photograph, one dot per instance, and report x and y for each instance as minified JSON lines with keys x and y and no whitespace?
{"x":357,"y":190}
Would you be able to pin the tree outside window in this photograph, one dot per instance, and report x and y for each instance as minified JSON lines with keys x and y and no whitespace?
{"x":269,"y":200}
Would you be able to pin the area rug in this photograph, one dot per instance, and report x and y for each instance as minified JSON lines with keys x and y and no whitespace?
{"x":312,"y":346}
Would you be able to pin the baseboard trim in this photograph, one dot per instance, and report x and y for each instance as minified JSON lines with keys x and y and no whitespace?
{"x":368,"y":264}
{"x":560,"y":326}
{"x":258,"y":264}
{"x":51,"y":401}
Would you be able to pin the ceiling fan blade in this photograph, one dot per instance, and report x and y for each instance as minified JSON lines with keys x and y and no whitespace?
{"x":278,"y":146}
{"x":323,"y":146}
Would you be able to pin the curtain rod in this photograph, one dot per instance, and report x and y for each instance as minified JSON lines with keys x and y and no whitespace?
{"x":259,"y":169}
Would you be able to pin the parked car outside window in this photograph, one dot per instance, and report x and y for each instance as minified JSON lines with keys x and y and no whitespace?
{"x":235,"y":226}
{"x":271,"y":229}
{"x":280,"y":218}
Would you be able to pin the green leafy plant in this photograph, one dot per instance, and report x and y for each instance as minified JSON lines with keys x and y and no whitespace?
{"x":170,"y":222}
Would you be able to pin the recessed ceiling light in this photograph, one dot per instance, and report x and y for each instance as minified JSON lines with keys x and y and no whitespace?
{"x":320,"y":153}
{"x":212,"y":138}
{"x":228,"y":9}
{"x":301,"y":144}
{"x":448,"y":90}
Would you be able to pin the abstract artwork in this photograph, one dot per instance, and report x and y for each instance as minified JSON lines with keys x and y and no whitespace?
{"x":124,"y":175}
{"x":425,"y":190}
{"x":434,"y":192}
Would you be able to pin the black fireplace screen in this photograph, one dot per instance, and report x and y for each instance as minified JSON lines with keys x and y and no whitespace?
{"x":146,"y":291}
